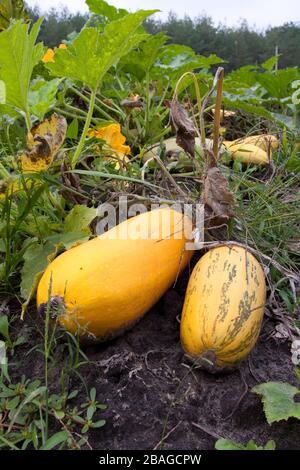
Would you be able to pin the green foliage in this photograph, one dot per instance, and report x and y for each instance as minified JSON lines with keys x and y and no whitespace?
{"x":140,"y":61}
{"x":42,"y":96}
{"x":226,"y":444}
{"x":36,"y":258}
{"x":59,"y":24}
{"x":72,"y":132}
{"x":19,"y":55}
{"x":238,"y":46}
{"x":93,"y":53}
{"x":106,"y":11}
{"x":2,"y":92}
{"x":10,"y":343}
{"x":293,"y":162}
{"x":279,"y":400}
{"x":38,"y":255}
{"x":78,"y":220}
{"x":264,"y":93}
{"x":113,"y":72}
{"x":278,"y":85}
{"x":270,"y":63}
{"x":23,"y":405}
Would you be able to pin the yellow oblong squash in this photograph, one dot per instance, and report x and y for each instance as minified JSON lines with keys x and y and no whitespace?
{"x":265,"y":142}
{"x":106,"y":284}
{"x":247,"y":153}
{"x":224,"y":306}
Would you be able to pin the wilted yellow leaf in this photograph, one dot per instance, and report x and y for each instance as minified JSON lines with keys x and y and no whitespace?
{"x":43,"y":142}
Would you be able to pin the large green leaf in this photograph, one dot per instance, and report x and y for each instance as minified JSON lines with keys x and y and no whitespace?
{"x":93,"y":53}
{"x":2,"y":92}
{"x":174,"y":60}
{"x":42,"y":96}
{"x":238,"y":103}
{"x":278,"y":85}
{"x":253,"y":108}
{"x":79,"y":218}
{"x":244,"y":77}
{"x":102,"y":8}
{"x":39,"y":255}
{"x":140,"y":61}
{"x":279,"y":400}
{"x":36,"y":258}
{"x":270,"y":63}
{"x":19,"y":54}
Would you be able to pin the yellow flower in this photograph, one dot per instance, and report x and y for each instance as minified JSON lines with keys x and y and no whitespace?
{"x":113,"y":137}
{"x":48,"y":57}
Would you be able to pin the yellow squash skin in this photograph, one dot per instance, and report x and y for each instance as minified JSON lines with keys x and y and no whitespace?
{"x":224,"y":306}
{"x":247,"y":153}
{"x":263,"y":141}
{"x":109,"y":282}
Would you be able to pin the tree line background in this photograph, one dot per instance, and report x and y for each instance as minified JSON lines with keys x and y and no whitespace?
{"x":239,"y":45}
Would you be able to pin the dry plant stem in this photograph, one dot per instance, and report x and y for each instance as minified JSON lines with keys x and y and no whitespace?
{"x":217,"y":114}
{"x":166,"y":436}
{"x":206,"y":430}
{"x":169,"y":176}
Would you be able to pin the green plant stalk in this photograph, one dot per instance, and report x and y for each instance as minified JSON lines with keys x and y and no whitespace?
{"x":86,"y":100}
{"x":56,"y":204}
{"x":28,"y":120}
{"x":147,"y":110}
{"x":8,"y":141}
{"x":114,"y":109}
{"x":85,"y":129}
{"x":72,"y":109}
{"x":217,"y":114}
{"x":8,"y":443}
{"x":119,"y":82}
{"x":71,"y":115}
{"x":3,"y":171}
{"x":163,"y":97}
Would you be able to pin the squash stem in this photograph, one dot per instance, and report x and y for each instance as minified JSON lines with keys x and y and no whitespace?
{"x":28,"y":120}
{"x":217,"y":114}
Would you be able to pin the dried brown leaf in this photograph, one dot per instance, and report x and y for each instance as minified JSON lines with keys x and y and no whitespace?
{"x":217,"y":197}
{"x":183,"y":127}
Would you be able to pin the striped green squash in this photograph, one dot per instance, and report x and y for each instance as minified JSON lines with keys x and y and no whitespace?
{"x":224,"y":306}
